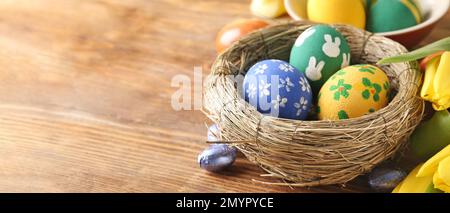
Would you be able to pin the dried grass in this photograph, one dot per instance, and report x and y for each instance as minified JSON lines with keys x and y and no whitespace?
{"x":312,"y":153}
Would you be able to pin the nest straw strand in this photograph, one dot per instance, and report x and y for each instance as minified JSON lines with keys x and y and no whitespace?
{"x":312,"y":153}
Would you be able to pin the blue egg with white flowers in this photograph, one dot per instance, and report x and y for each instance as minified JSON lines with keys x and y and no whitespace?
{"x":278,"y":89}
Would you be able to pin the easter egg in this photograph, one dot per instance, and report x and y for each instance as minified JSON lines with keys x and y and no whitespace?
{"x":267,"y":8}
{"x":391,"y":15}
{"x":277,"y":88}
{"x":366,"y":4}
{"x":235,"y":30}
{"x":351,"y":12}
{"x":319,"y":52}
{"x":217,"y":157}
{"x":353,"y":92}
{"x":385,"y":179}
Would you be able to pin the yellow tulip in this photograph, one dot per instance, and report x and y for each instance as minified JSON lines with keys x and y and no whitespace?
{"x":432,"y":164}
{"x":436,"y":87}
{"x":430,"y":177}
{"x":441,"y":178}
{"x":397,"y":189}
{"x":427,"y":92}
{"x":414,"y":184}
{"x":437,"y":167}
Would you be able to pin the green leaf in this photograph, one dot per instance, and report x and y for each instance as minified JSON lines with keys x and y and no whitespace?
{"x":377,"y":87}
{"x":348,"y":86}
{"x":342,"y":115}
{"x":337,"y":95}
{"x":376,"y":97}
{"x":441,"y":45}
{"x":386,"y":85}
{"x":333,"y":87}
{"x":366,"y":94}
{"x":345,"y":93}
{"x":366,"y":82}
{"x":366,"y":70}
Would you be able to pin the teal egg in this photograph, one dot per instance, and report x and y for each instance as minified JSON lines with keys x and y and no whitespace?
{"x":319,"y":52}
{"x":391,"y":15}
{"x":367,"y":4}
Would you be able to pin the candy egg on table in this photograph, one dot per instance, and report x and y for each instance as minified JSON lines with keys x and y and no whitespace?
{"x":351,"y":12}
{"x":319,"y":52}
{"x":217,"y":157}
{"x":391,"y":15}
{"x":235,"y":30}
{"x":353,"y":92}
{"x":277,"y":88}
{"x":384,"y":179}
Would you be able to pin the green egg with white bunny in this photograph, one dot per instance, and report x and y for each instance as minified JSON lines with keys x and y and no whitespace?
{"x":319,"y":52}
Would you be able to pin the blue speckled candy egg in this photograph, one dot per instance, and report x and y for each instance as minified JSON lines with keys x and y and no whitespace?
{"x":385,"y":179}
{"x":217,"y":157}
{"x":277,"y":88}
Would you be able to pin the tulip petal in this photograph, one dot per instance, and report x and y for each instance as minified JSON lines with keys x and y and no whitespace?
{"x":441,"y":81}
{"x":397,"y":188}
{"x":444,"y":171}
{"x":414,"y":184}
{"x":442,"y":104}
{"x":427,"y":92}
{"x":432,"y":164}
{"x":439,"y":183}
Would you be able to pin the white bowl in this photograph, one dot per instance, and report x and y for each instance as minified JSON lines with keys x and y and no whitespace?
{"x":432,"y":10}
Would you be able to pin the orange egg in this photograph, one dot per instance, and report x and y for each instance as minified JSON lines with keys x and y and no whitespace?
{"x":235,"y":30}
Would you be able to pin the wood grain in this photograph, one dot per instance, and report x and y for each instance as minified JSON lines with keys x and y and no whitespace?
{"x":85,"y":97}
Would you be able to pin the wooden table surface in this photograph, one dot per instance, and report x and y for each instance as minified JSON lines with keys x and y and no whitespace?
{"x":85,"y":97}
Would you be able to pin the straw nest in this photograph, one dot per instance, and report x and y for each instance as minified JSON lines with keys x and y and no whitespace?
{"x":312,"y":153}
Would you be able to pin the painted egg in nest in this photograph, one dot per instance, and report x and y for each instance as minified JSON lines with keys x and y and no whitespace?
{"x":319,"y":52}
{"x":353,"y":92}
{"x":277,"y":88}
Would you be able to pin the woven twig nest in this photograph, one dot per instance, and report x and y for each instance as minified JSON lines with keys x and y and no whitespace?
{"x":312,"y":153}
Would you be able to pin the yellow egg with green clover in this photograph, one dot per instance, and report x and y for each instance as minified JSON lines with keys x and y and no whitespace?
{"x":352,"y":92}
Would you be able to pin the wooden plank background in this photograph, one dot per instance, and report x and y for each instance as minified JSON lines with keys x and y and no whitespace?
{"x":85,"y":97}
